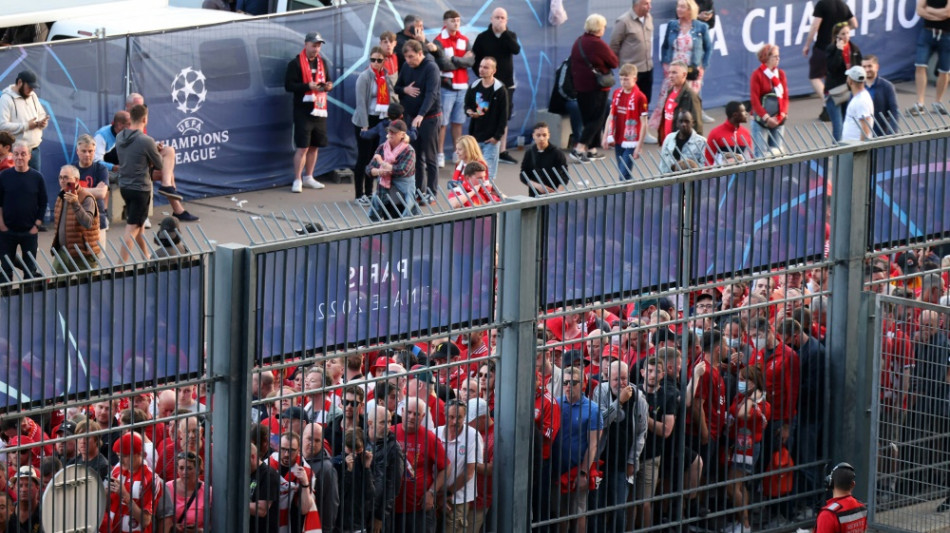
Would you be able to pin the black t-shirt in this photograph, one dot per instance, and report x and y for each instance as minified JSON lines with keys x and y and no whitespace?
{"x":830,"y":12}
{"x":662,"y":402}
{"x":943,"y":25}
{"x":707,"y":5}
{"x":548,"y":167}
{"x":32,"y":524}
{"x":265,"y":487}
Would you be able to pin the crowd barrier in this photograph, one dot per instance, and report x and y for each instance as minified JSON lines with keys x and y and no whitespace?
{"x":276,"y":325}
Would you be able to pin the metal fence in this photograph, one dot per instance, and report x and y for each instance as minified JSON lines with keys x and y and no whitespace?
{"x":909,"y":437}
{"x":573,"y":295}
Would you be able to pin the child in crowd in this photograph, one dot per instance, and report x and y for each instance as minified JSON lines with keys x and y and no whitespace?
{"x":627,"y":123}
{"x":378,"y":131}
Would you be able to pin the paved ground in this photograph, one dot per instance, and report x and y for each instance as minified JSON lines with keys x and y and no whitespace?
{"x":221,"y":217}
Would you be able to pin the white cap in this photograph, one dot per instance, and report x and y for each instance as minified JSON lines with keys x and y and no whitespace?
{"x":856,"y":73}
{"x":476,"y":407}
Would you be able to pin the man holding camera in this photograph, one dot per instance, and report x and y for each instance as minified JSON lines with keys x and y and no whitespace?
{"x":843,"y":512}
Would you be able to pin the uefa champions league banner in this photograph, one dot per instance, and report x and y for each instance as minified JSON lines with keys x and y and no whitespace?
{"x":910,"y":193}
{"x":386,"y":286}
{"x":110,"y":332}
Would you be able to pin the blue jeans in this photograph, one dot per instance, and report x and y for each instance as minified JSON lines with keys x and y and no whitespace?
{"x":612,"y":491}
{"x":624,"y":161}
{"x":490,"y":151}
{"x":806,"y":449}
{"x":35,"y":160}
{"x":836,"y":114}
{"x":453,"y":106}
{"x":577,"y":121}
{"x":764,"y":139}
{"x":930,"y":41}
{"x":397,"y":201}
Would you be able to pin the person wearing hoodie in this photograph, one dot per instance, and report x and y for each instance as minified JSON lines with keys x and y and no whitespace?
{"x":22,"y":115}
{"x":137,"y":152}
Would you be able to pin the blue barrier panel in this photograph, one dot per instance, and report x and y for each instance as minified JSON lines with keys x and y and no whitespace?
{"x":611,"y":245}
{"x":384,"y":286}
{"x":910,"y":193}
{"x":108,"y":332}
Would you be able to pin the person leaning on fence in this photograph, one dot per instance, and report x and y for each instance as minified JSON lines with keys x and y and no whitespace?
{"x":730,"y":142}
{"x":843,"y":513}
{"x":75,"y":225}
{"x":544,"y":167}
{"x":395,"y":165}
{"x":684,"y":149}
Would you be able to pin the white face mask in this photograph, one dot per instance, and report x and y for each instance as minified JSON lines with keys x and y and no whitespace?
{"x":733,"y":343}
{"x":759,"y":343}
{"x":742,"y":386}
{"x":698,"y":332}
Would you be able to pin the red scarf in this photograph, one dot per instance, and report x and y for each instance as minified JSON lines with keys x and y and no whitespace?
{"x":775,"y":79}
{"x":289,"y":484}
{"x":391,"y":65}
{"x":846,"y":53}
{"x":319,"y":98}
{"x":382,"y":93}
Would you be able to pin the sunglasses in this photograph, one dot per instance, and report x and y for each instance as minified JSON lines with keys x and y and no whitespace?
{"x":189,"y":456}
{"x":376,"y":60}
{"x":351,"y":402}
{"x":571,"y":382}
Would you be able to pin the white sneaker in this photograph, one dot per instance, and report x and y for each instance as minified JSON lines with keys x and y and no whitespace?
{"x":311,"y":183}
{"x":147,"y":224}
{"x":297,"y":186}
{"x":455,"y":158}
{"x":440,"y":160}
{"x":708,"y":119}
{"x":650,"y":139}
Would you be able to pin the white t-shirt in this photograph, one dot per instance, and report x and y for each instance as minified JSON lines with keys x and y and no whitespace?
{"x":466,"y":449}
{"x":860,"y":107}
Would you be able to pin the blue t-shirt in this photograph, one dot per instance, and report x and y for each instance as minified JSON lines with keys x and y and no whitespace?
{"x":577,"y":420}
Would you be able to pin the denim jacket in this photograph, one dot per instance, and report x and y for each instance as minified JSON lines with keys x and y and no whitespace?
{"x":702,"y":45}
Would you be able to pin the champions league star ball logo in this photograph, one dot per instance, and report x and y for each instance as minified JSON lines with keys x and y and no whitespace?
{"x":188,"y":90}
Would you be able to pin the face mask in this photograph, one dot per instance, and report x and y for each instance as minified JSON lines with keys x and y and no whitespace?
{"x":742,"y":386}
{"x":759,"y":343}
{"x":733,"y":343}
{"x":698,"y":332}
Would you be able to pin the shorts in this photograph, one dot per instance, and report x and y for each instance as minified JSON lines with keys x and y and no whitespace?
{"x":929,"y":41}
{"x":817,"y":64}
{"x":453,"y":106}
{"x":136,"y":205}
{"x":647,"y":477}
{"x":310,"y":132}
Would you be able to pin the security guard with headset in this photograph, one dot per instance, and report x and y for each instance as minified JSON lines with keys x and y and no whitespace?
{"x":842,"y":513}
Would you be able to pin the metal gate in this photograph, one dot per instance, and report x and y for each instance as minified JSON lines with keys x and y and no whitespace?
{"x":910,"y":413}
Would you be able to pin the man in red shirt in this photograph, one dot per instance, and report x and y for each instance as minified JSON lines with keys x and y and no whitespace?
{"x":782,"y":371}
{"x":706,"y":405}
{"x":730,"y":142}
{"x":425,"y":471}
{"x":842,"y":513}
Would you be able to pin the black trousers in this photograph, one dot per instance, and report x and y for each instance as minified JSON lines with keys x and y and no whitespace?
{"x":593,"y":106}
{"x":365,"y":148}
{"x":426,"y":147}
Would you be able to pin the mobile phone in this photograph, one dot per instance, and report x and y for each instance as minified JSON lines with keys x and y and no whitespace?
{"x":73,"y":187}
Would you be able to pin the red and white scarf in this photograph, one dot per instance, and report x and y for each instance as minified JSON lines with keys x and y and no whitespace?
{"x":382,"y":93}
{"x":288,"y":491}
{"x":772,"y":75}
{"x":455,"y":46}
{"x":144,"y":491}
{"x":319,"y":98}
{"x":626,"y":117}
{"x":390,"y":155}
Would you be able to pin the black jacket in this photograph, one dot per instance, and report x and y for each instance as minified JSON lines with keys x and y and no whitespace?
{"x":503,"y":48}
{"x":494,"y":101}
{"x":389,"y":465}
{"x":836,"y":65}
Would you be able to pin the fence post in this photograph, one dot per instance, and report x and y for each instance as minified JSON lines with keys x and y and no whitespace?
{"x":848,"y":327}
{"x":230,"y":399}
{"x":514,"y":427}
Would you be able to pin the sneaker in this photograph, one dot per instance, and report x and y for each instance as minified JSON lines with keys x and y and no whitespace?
{"x":650,"y":139}
{"x":311,"y":183}
{"x":364,"y":201}
{"x":185,"y":216}
{"x":917,"y":110}
{"x":708,"y":119}
{"x":440,"y":160}
{"x":595,"y":155}
{"x":940,"y":109}
{"x":455,"y":158}
{"x":170,"y":192}
{"x":147,"y":224}
{"x":506,"y":158}
{"x":579,"y":157}
{"x":297,"y":186}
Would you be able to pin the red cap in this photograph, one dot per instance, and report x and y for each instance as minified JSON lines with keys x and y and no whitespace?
{"x":129,"y":444}
{"x":611,"y":351}
{"x":383,"y":362}
{"x":21,"y":441}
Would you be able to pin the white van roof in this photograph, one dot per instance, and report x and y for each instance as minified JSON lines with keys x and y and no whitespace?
{"x":81,"y":18}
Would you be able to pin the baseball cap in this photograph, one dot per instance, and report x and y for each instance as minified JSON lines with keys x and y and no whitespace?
{"x":383,"y":362}
{"x":21,"y":441}
{"x":313,"y":37}
{"x":129,"y":444}
{"x":570,"y":357}
{"x":397,"y":125}
{"x":27,"y":471}
{"x":293,"y":413}
{"x":856,"y":73}
{"x":425,"y":377}
{"x":66,"y":428}
{"x":476,"y":407}
{"x":444,"y":350}
{"x":611,"y":351}
{"x":908,"y":262}
{"x":28,"y":77}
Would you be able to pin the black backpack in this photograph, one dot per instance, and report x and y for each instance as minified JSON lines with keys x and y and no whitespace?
{"x":563,"y":89}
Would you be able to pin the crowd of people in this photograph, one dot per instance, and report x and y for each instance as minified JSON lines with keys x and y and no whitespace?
{"x":698,"y":396}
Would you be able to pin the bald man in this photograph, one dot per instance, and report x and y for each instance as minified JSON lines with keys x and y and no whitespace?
{"x":502,"y":44}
